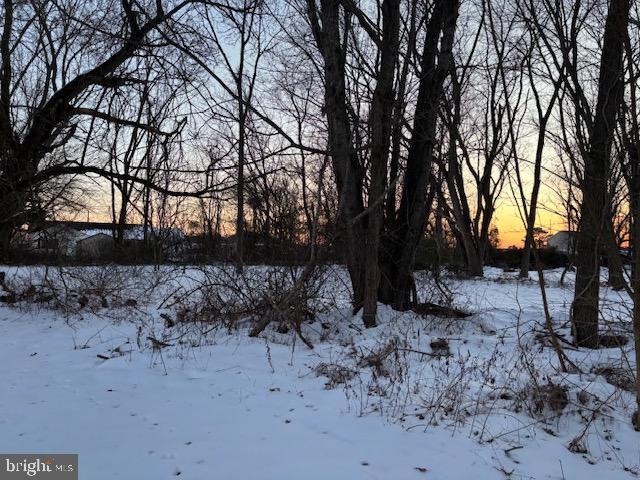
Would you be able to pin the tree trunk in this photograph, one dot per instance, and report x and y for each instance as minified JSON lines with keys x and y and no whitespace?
{"x":614,"y":260}
{"x":6,"y":234}
{"x":635,"y":241}
{"x":381,"y":119}
{"x":525,"y":262}
{"x":12,"y":203}
{"x":632,"y":178}
{"x":406,"y":230}
{"x":475,"y":263}
{"x":594,"y":182}
{"x":344,"y":160}
{"x":533,"y":205}
{"x":240,"y":226}
{"x":369,"y":265}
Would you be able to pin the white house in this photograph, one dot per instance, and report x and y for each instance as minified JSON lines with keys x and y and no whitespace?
{"x":93,"y":239}
{"x":563,"y":241}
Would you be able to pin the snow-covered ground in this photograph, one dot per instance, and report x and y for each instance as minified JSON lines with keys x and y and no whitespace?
{"x":381,"y":403}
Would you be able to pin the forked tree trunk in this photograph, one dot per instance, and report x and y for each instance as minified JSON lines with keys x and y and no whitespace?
{"x":455,"y":186}
{"x":404,"y":232}
{"x":381,"y":259}
{"x":594,"y":182}
{"x":525,"y":263}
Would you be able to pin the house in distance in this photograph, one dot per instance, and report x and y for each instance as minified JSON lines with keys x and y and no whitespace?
{"x":563,"y":241}
{"x":96,"y":240}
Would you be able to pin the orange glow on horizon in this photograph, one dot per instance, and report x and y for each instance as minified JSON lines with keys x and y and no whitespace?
{"x":511,"y":227}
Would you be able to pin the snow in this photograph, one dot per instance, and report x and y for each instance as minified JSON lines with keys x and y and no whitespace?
{"x":234,"y":407}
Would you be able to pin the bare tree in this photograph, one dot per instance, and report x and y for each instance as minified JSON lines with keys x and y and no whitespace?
{"x":561,"y":28}
{"x":380,"y":247}
{"x":51,"y":80}
{"x":630,"y":149}
{"x":539,"y":70}
{"x":594,"y":181}
{"x":247,"y":25}
{"x":483,"y":117}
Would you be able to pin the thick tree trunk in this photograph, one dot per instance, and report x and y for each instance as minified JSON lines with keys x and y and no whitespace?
{"x":12,"y":203}
{"x":381,"y":119}
{"x":396,"y":288}
{"x":397,"y":135}
{"x":635,"y":239}
{"x":594,"y":183}
{"x":407,"y":229}
{"x":325,"y":24}
{"x":475,"y":263}
{"x":388,"y":269}
{"x":587,"y":288}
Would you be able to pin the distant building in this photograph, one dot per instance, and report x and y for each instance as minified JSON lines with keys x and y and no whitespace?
{"x":94,"y":246}
{"x":563,"y":241}
{"x":94,"y":239}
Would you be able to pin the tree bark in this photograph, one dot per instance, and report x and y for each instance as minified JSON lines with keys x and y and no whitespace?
{"x":537,"y":181}
{"x":325,"y":25}
{"x":381,"y":128}
{"x":380,"y":251}
{"x":631,"y":173}
{"x":614,"y":260}
{"x":406,"y":230}
{"x":594,"y":182}
{"x":635,"y":244}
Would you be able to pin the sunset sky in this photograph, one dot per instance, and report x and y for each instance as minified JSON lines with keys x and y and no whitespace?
{"x":511,"y":227}
{"x":506,"y":216}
